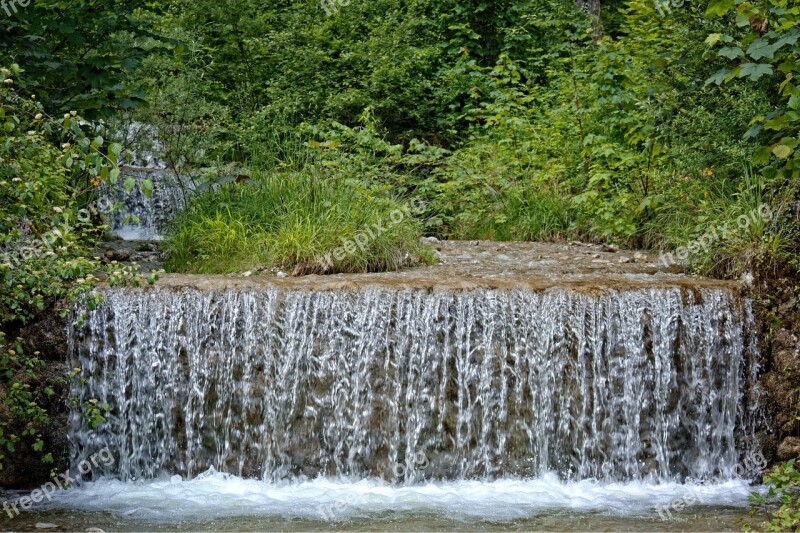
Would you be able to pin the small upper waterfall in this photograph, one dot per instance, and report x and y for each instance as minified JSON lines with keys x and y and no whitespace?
{"x":154,"y":212}
{"x":653,"y":384}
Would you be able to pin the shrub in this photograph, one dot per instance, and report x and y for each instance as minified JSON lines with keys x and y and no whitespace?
{"x":297,"y":221}
{"x":782,"y":500}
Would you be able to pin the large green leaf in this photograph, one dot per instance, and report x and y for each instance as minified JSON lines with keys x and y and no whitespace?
{"x":129,"y":184}
{"x":719,"y":77}
{"x":761,"y":48}
{"x":755,"y":71}
{"x":782,"y":151}
{"x":719,"y":7}
{"x":731,"y":52}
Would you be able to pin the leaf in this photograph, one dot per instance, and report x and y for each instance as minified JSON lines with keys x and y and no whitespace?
{"x":129,"y":184}
{"x":731,"y":52}
{"x":761,"y":48}
{"x":762,"y":155}
{"x":718,"y":77}
{"x":147,"y":188}
{"x":753,"y":132}
{"x":755,"y":70}
{"x":715,"y":38}
{"x":113,"y":175}
{"x":782,"y":151}
{"x":719,"y":7}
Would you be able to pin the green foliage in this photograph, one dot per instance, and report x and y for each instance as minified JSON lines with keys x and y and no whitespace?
{"x":763,"y":46}
{"x":78,"y":54}
{"x":49,"y":171}
{"x":21,"y":399}
{"x":508,"y":119}
{"x":92,"y":409}
{"x":301,"y":221}
{"x":781,"y":501}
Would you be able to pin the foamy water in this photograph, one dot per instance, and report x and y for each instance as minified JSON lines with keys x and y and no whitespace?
{"x":214,"y":495}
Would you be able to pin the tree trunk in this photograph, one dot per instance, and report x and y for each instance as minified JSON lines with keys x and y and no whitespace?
{"x":593,"y":8}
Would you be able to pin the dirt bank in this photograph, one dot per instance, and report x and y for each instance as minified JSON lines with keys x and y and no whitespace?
{"x":777,"y":312}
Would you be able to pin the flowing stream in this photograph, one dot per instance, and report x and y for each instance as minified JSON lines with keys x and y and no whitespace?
{"x":414,"y":408}
{"x":133,"y":215}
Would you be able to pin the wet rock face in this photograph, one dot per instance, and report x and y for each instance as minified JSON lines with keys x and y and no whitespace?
{"x":789,"y":449}
{"x":419,"y":383}
{"x":777,"y":312}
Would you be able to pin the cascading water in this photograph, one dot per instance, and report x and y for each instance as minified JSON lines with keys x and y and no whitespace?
{"x":154,"y":212}
{"x":651,"y":385}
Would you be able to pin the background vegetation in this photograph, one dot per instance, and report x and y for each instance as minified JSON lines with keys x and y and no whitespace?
{"x":643,"y":125}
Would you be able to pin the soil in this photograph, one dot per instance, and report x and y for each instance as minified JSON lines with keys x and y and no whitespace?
{"x":490,"y":265}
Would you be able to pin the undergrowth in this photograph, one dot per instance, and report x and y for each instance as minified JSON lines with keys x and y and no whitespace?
{"x":298,"y":221}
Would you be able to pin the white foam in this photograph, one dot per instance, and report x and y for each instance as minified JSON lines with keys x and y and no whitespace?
{"x":131,"y":232}
{"x":216,"y":495}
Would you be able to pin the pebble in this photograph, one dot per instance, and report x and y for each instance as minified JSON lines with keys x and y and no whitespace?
{"x":45,"y":525}
{"x":640,"y":257}
{"x":282,"y":274}
{"x":625,"y":260}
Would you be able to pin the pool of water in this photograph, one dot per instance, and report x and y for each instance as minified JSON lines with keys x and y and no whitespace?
{"x":215,"y":501}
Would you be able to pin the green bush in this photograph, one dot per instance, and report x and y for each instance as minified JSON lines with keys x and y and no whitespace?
{"x":298,"y":221}
{"x":781,"y":501}
{"x":49,"y":170}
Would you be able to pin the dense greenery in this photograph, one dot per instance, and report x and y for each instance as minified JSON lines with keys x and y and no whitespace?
{"x":49,"y":170}
{"x":782,"y":482}
{"x":510,"y":120}
{"x":298,"y":221}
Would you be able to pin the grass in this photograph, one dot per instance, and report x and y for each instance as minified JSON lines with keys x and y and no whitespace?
{"x":754,"y":231}
{"x":297,"y":221}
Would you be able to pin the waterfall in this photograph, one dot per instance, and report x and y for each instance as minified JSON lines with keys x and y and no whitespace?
{"x":410,"y":384}
{"x":154,"y":213}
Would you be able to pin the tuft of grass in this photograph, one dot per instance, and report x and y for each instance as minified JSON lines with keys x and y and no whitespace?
{"x":531,"y":214}
{"x":298,"y":221}
{"x":745,"y":241}
{"x":543,"y":215}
